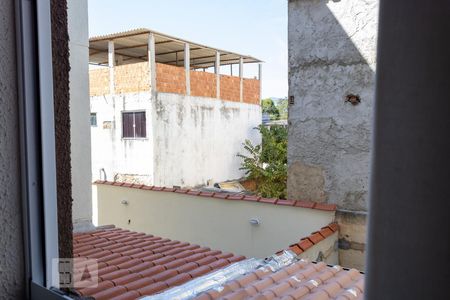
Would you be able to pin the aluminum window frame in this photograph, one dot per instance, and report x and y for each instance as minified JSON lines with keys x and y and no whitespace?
{"x":37,"y":146}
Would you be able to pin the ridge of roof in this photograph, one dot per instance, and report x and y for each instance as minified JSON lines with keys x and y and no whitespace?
{"x":314,"y":238}
{"x":227,"y":196}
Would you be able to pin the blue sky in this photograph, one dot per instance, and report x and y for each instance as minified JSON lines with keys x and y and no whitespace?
{"x":253,"y":27}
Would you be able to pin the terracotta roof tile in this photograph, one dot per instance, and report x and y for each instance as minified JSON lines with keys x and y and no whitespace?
{"x":152,"y":271}
{"x":316,"y":237}
{"x":178,"y":279}
{"x":300,"y":280}
{"x":126,"y":279}
{"x":153,"y":288}
{"x":199,"y":271}
{"x":286,"y":202}
{"x":268,"y":200}
{"x":228,"y":196}
{"x":305,"y":243}
{"x":140,"y":282}
{"x":100,"y":287}
{"x":132,"y":264}
{"x":109,"y":293}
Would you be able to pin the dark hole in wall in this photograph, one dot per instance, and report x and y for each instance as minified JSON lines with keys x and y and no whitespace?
{"x":353,"y":99}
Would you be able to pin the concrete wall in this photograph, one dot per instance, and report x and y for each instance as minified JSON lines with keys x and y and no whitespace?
{"x":80,"y":135}
{"x":325,"y":250}
{"x":124,"y":158}
{"x":197,"y":139}
{"x":217,"y":223}
{"x":332,"y":51}
{"x":189,"y":139}
{"x":12,"y":281}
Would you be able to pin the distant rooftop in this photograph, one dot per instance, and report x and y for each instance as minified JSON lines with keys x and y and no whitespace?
{"x":132,"y":46}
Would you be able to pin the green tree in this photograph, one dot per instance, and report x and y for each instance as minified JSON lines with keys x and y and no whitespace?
{"x":267,"y":163}
{"x":282,"y":106}
{"x":269,"y":107}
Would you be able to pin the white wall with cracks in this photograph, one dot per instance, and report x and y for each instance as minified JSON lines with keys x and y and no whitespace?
{"x":190,"y":140}
{"x":332,"y":54}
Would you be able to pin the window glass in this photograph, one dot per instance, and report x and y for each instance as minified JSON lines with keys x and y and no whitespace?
{"x":94,"y":119}
{"x":133,"y":125}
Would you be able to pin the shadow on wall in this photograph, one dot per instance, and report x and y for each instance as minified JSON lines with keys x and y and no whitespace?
{"x":329,"y":138}
{"x":332,"y":51}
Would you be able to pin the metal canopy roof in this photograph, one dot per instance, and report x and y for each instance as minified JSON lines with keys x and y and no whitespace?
{"x":132,"y":47}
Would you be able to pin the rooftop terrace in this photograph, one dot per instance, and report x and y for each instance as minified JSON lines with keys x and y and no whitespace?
{"x":145,"y":60}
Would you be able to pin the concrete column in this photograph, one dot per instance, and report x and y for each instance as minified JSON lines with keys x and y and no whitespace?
{"x":241,"y":76}
{"x":260,"y":81}
{"x":111,"y":63}
{"x":217,"y":71}
{"x":187,"y":66}
{"x":152,"y":61}
{"x":409,"y":224}
{"x":80,"y":129}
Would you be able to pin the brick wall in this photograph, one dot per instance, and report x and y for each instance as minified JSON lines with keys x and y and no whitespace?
{"x":99,"y":82}
{"x":132,"y":78}
{"x":170,"y":79}
{"x":251,"y":91}
{"x":203,"y":84}
{"x":229,"y":88}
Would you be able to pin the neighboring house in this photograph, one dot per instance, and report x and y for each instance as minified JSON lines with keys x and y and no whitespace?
{"x":132,"y":265}
{"x":332,"y":52}
{"x":159,"y":118}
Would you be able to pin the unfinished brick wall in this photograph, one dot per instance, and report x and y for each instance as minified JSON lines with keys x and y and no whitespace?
{"x":99,"y":82}
{"x":132,"y":78}
{"x":170,"y":79}
{"x":230,"y":88}
{"x":251,"y":91}
{"x":203,"y":84}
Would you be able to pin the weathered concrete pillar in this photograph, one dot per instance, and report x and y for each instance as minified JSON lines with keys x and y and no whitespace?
{"x":260,"y":81}
{"x":80,"y":128}
{"x":331,"y":82}
{"x":187,"y":66}
{"x":111,"y":64}
{"x":152,"y":62}
{"x":241,"y":79}
{"x":217,"y":71}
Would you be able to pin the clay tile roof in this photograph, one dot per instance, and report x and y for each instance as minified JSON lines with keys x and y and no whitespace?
{"x":300,"y":280}
{"x":132,"y":265}
{"x":227,"y":196}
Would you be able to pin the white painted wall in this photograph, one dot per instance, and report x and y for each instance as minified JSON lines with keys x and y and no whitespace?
{"x":113,"y":153}
{"x":192,"y":139}
{"x":197,"y":138}
{"x":79,"y":114}
{"x":216,"y":223}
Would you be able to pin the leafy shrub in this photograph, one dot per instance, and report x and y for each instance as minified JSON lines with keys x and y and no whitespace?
{"x":267,"y":163}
